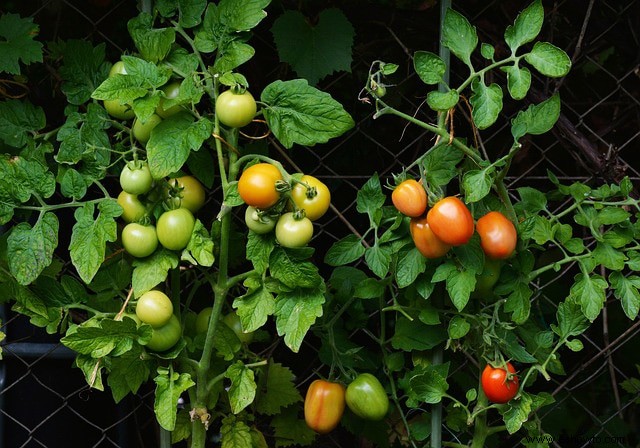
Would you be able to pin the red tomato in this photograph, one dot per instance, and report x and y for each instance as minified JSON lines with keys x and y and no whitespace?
{"x":324,"y":405}
{"x":498,"y":236}
{"x":425,"y":240}
{"x":496,"y":386}
{"x":451,"y":221}
{"x":410,"y":198}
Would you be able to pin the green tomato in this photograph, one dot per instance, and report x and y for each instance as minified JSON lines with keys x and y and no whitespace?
{"x":132,"y":209}
{"x":174,"y":228}
{"x":235,"y":109}
{"x":154,"y":308}
{"x":117,"y":69}
{"x":186,"y":192}
{"x":138,"y":240}
{"x":171,"y":91}
{"x":165,"y":337}
{"x":135,"y":177}
{"x":232,"y":320}
{"x":118,"y":110}
{"x":202,"y":320}
{"x":142,"y":131}
{"x":487,"y":279}
{"x":257,"y":222}
{"x":292,"y":232}
{"x":366,"y":397}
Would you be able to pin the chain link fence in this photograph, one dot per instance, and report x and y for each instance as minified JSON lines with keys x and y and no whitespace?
{"x":46,"y":403}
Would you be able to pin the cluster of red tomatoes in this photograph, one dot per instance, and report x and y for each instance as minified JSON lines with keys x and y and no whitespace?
{"x":325,"y":402}
{"x":450,"y":223}
{"x":268,"y":197}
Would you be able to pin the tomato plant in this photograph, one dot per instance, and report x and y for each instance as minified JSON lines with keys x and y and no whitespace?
{"x":174,"y":228}
{"x":154,"y":308}
{"x":312,"y":196}
{"x":139,"y":240}
{"x":258,"y":222}
{"x":186,"y":192}
{"x":425,"y":240}
{"x":498,"y":236}
{"x":324,"y":405}
{"x":135,"y":177}
{"x":366,"y":397}
{"x":451,"y":221}
{"x":410,"y":198}
{"x":293,"y":232}
{"x":257,"y":185}
{"x":499,"y":385}
{"x":165,"y":336}
{"x":235,"y":110}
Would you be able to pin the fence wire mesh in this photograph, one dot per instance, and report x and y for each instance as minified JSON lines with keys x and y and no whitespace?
{"x":44,"y":402}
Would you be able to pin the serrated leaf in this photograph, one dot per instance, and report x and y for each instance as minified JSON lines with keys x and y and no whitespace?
{"x":153,"y":270}
{"x":18,"y":119}
{"x":537,"y":118}
{"x":235,"y":433}
{"x":154,"y":44}
{"x":532,"y":200}
{"x":232,"y":55}
{"x":17,"y":43}
{"x":526,"y":27}
{"x":590,"y":293}
{"x":243,"y":386}
{"x":477,"y":184}
{"x":108,"y":337}
{"x":295,"y":312}
{"x":460,"y":284}
{"x":280,"y":390}
{"x":370,"y":198}
{"x":290,"y":430}
{"x":298,"y":113}
{"x":169,"y":387}
{"x":409,"y":267}
{"x":486,"y":103}
{"x":83,"y":69}
{"x":127,"y":374}
{"x":293,"y":271}
{"x":430,"y":386}
{"x":609,"y":257}
{"x":429,"y":67}
{"x":199,"y":250}
{"x":442,"y":101}
{"x":625,"y":289}
{"x":458,"y":327}
{"x":378,"y":258}
{"x":30,"y":249}
{"x":255,"y":307}
{"x":189,"y":11}
{"x":440,"y":164}
{"x":517,"y":413}
{"x":345,"y":251}
{"x":549,"y":60}
{"x":415,"y":335}
{"x":518,"y":81}
{"x":314,"y":51}
{"x":518,"y":303}
{"x":487,"y":51}
{"x":459,"y":36}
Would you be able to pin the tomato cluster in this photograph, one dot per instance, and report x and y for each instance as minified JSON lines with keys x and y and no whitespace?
{"x":154,"y":308}
{"x":289,"y":207}
{"x":325,"y":402}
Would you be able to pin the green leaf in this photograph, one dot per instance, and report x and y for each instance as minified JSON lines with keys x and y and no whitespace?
{"x":460,"y":284}
{"x":459,"y":36}
{"x":477,"y":184}
{"x":169,"y":386}
{"x":295,"y":312}
{"x":259,"y":248}
{"x":154,"y":44}
{"x":226,"y":342}
{"x":30,"y":249}
{"x":378,"y":258}
{"x":255,"y":306}
{"x":429,"y":67}
{"x":370,"y":288}
{"x":90,"y":235}
{"x":231,"y":55}
{"x":537,"y":118}
{"x":242,"y":15}
{"x":526,"y":27}
{"x":370,"y":198}
{"x":92,"y":370}
{"x":181,"y":61}
{"x":415,"y":335}
{"x":532,"y":200}
{"x":409,"y":267}
{"x":280,"y":390}
{"x":458,"y":327}
{"x":487,"y":51}
{"x":429,"y":386}
{"x":549,"y":60}
{"x":17,"y":43}
{"x":107,"y":337}
{"x":173,"y":140}
{"x":293,"y":271}
{"x":290,"y":430}
{"x":18,"y":119}
{"x":243,"y":386}
{"x":518,"y":81}
{"x":298,"y":113}
{"x":127,"y":374}
{"x":189,"y":11}
{"x":612,"y":215}
{"x":440,"y":164}
{"x":73,"y":184}
{"x":83,"y":69}
{"x":486,"y":103}
{"x":151,"y":271}
{"x":235,"y":433}
{"x":590,"y":293}
{"x":345,"y":251}
{"x":609,"y":257}
{"x":575,"y":345}
{"x":518,"y":303}
{"x":625,"y":289}
{"x":442,"y":101}
{"x":517,"y":412}
{"x":511,"y":347}
{"x":199,"y":251}
{"x":314,"y":51}
{"x":571,"y":320}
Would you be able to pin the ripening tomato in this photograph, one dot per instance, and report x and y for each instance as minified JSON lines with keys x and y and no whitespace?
{"x":497,"y":386}
{"x":135,"y":177}
{"x":235,"y":109}
{"x":174,"y":228}
{"x":410,"y":198}
{"x":429,"y":245}
{"x":138,"y":240}
{"x":142,"y":131}
{"x":260,"y":223}
{"x":132,"y":209}
{"x":314,"y":200}
{"x":166,"y":336}
{"x":498,"y":236}
{"x":366,"y":397}
{"x":451,"y":221}
{"x":257,"y":185}
{"x":154,"y":308}
{"x":187,"y":192}
{"x":292,"y":232}
{"x":324,"y":405}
